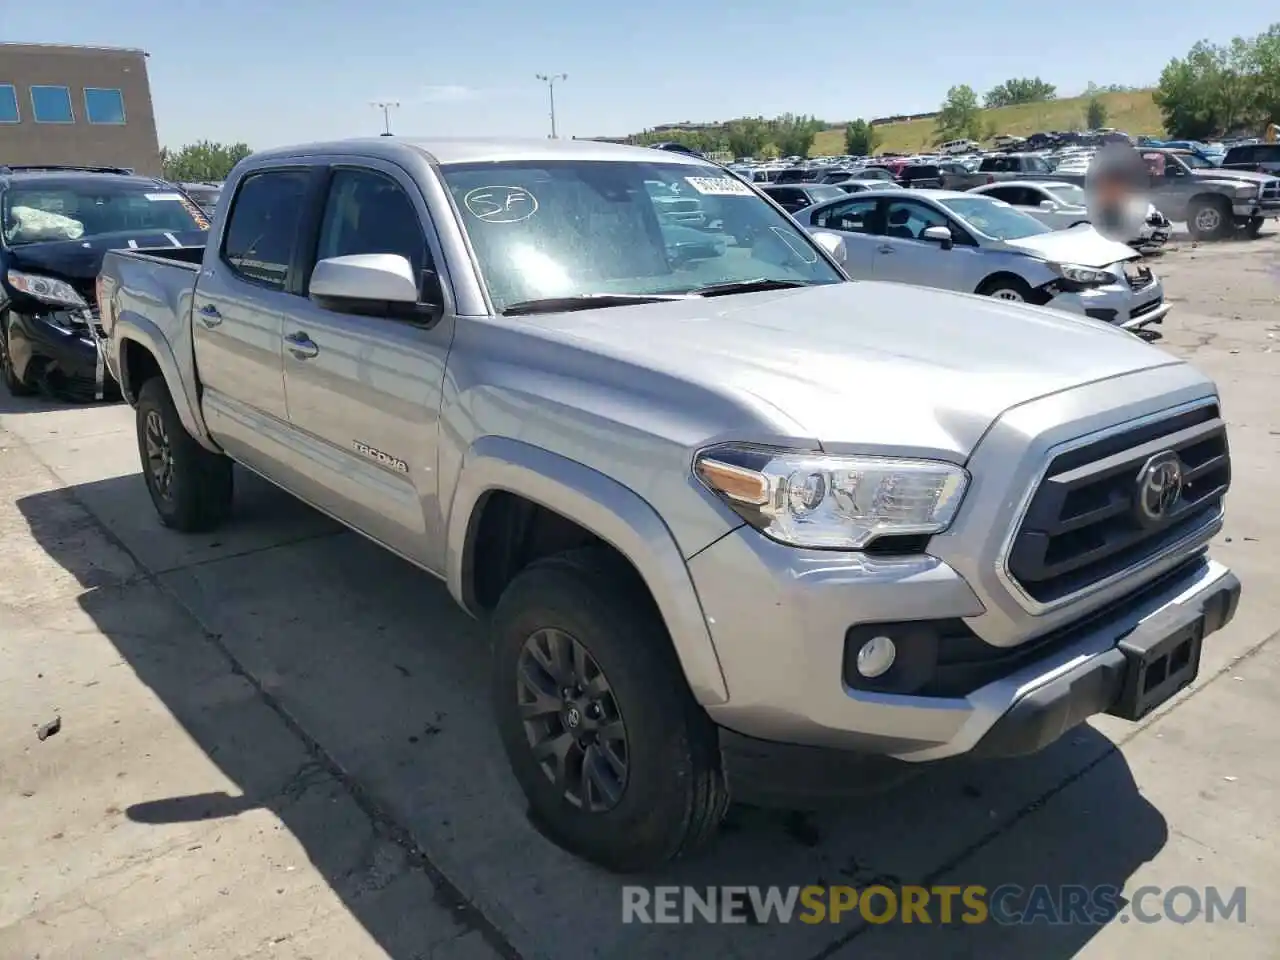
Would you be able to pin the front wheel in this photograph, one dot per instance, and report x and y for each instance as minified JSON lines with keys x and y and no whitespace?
{"x":190,"y":486}
{"x":618,"y":763}
{"x":16,"y":386}
{"x":1210,"y":219}
{"x":1011,"y":289}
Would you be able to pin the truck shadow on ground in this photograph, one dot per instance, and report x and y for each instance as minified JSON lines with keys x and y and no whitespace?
{"x":366,"y":661}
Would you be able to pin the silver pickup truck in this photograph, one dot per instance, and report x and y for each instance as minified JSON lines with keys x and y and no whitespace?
{"x":736,"y":523}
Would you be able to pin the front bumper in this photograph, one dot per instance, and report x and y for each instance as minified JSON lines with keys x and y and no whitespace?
{"x":48,"y":349}
{"x":1118,"y":304}
{"x":784,"y":653}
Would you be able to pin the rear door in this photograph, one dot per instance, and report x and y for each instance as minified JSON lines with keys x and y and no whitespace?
{"x":364,"y":390}
{"x":238,"y":314}
{"x":855,"y":221}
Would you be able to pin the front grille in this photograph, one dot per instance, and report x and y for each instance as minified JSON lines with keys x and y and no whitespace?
{"x":1084,"y":523}
{"x":1270,"y":190}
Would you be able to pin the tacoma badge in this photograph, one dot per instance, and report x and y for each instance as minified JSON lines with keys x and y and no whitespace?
{"x":383,"y":458}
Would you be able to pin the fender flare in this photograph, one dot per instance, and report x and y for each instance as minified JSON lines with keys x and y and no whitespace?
{"x":130,"y":326}
{"x":611,"y":511}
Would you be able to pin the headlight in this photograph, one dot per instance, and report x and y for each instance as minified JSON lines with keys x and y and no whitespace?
{"x":832,"y":502}
{"x":1085,"y":276}
{"x":46,"y":289}
{"x":1249,"y":190}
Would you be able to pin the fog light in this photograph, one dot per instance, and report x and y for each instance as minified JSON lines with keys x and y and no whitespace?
{"x":876,"y":657}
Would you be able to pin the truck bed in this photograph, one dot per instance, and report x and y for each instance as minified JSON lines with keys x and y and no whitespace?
{"x":188,"y":258}
{"x":153,"y":288}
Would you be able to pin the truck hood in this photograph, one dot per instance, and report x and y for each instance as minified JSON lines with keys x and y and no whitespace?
{"x":79,"y":261}
{"x":1249,"y":176}
{"x":862,"y":366}
{"x":1080,"y":245}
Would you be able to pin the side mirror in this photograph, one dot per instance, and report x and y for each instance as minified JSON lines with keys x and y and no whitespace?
{"x":364,"y":278}
{"x":834,"y":245}
{"x":940,"y":235}
{"x":1048,"y":205}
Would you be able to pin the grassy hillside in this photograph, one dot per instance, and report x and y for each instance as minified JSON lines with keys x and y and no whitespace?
{"x":1134,"y":113}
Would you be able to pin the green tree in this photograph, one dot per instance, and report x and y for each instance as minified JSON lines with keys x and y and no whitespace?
{"x":1216,"y":89}
{"x":1020,"y":90}
{"x":794,"y":133}
{"x":1095,"y":115}
{"x":960,"y":115}
{"x":860,"y":139}
{"x":203,"y":161}
{"x":746,"y":136}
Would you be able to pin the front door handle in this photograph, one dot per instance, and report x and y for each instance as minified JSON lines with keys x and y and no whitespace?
{"x":210,"y":316}
{"x":885,"y":248}
{"x":301,"y":346}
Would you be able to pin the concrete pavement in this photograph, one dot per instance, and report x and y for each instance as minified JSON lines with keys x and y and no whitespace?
{"x":275,"y":739}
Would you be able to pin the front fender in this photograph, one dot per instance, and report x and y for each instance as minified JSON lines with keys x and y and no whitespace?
{"x":133,"y":327}
{"x":611,"y":511}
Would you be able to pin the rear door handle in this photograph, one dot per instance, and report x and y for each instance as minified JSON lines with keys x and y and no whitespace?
{"x":301,"y":346}
{"x":210,"y":316}
{"x":885,"y":248}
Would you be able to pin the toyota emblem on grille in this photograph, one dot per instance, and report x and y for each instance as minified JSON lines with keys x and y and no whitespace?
{"x":1159,"y":487}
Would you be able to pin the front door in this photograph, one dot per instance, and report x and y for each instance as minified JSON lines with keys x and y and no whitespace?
{"x":902,"y":256}
{"x":238,"y":314}
{"x":363,"y":392}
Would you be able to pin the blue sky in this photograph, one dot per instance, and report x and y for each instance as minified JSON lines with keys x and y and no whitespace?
{"x":281,"y":71}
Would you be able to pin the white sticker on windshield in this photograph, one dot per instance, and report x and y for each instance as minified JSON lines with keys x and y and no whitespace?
{"x":719,"y":186}
{"x":153,"y":197}
{"x":500,"y":204}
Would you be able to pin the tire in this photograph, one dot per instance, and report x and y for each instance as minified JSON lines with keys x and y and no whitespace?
{"x":1008,"y":288}
{"x":672,"y":797}
{"x":1252,"y":227}
{"x":16,"y":386}
{"x":1210,"y":219}
{"x":194,"y":494}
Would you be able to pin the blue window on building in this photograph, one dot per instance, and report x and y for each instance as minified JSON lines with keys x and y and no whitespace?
{"x":9,"y":103}
{"x":51,"y":105}
{"x":103,"y":105}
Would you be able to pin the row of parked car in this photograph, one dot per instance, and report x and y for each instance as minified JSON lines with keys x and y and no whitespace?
{"x":1214,"y":201}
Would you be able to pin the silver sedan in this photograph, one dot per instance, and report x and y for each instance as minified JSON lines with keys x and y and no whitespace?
{"x":977,"y":244}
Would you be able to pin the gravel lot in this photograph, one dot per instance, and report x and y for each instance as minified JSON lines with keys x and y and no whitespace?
{"x":275,"y":740}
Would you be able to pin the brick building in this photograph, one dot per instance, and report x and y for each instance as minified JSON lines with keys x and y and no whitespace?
{"x":87,"y":106}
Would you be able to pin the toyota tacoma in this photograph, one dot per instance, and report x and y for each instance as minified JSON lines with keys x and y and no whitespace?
{"x":733,"y":521}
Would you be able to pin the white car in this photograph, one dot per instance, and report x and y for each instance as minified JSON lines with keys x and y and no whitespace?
{"x":978,"y":244}
{"x":1061,"y":205}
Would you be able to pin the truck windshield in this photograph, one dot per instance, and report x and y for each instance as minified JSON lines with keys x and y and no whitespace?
{"x":574,"y":228}
{"x":54,"y":209}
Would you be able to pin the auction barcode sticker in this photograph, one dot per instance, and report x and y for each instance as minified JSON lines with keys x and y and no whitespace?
{"x":719,"y":186}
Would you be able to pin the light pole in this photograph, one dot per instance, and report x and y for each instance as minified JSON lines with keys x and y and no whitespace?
{"x":550,"y":80}
{"x":386,"y":107}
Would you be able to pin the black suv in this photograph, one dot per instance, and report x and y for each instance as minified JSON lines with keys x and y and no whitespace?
{"x":1260,"y":157}
{"x":56,"y":223}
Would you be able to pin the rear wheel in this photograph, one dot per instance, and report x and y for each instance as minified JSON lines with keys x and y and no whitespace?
{"x":189,"y":485}
{"x":619,"y":765}
{"x":13,"y":383}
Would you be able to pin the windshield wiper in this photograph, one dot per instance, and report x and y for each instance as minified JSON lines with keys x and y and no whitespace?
{"x":746,"y":286}
{"x":586,"y":301}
